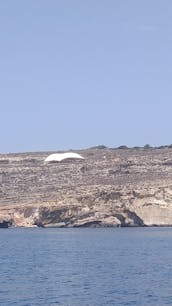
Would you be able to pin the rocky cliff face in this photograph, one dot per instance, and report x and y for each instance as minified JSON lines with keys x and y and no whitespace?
{"x":111,"y":187}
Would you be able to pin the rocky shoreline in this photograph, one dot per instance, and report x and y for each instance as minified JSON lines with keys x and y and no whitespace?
{"x":110,"y":187}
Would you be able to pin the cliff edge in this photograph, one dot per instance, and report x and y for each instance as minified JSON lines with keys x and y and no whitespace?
{"x":110,"y":187}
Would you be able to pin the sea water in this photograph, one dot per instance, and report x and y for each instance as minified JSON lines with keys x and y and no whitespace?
{"x":86,"y":267}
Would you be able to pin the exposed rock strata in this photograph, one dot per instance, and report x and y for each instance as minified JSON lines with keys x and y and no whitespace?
{"x":127,"y":187}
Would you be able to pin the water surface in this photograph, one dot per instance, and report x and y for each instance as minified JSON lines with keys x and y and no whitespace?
{"x":121,"y":266}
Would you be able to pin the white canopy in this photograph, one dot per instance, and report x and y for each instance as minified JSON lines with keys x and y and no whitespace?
{"x":61,"y":156}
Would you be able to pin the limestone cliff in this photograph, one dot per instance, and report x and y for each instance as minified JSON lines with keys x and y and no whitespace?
{"x":111,"y":187}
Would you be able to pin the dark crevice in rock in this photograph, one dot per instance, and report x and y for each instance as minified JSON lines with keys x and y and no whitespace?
{"x":120,"y":217}
{"x":133,"y":216}
{"x":90,"y":224}
{"x":5,"y":224}
{"x":38,"y":224}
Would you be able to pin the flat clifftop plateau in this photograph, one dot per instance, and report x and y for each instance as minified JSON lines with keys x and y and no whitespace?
{"x":110,"y":187}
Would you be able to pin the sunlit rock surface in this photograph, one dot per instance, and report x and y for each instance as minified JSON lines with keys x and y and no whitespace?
{"x":110,"y":187}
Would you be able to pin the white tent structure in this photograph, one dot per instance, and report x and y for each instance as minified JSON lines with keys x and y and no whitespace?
{"x":58,"y":157}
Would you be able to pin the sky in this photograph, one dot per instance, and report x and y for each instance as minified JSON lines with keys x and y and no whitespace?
{"x":76,"y":74}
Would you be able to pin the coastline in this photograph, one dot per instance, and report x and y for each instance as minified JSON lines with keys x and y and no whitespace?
{"x":109,"y":188}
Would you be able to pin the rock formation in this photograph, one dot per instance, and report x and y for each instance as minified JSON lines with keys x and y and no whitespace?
{"x":110,"y":187}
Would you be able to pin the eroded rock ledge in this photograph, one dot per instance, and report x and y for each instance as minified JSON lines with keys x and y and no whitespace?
{"x":125,"y":187}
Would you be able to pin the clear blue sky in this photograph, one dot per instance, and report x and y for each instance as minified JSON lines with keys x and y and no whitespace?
{"x":75,"y":73}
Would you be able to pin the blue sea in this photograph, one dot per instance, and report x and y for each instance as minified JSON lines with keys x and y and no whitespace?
{"x":86,"y":267}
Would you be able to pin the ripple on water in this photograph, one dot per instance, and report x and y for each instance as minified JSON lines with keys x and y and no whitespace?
{"x":86,"y":267}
